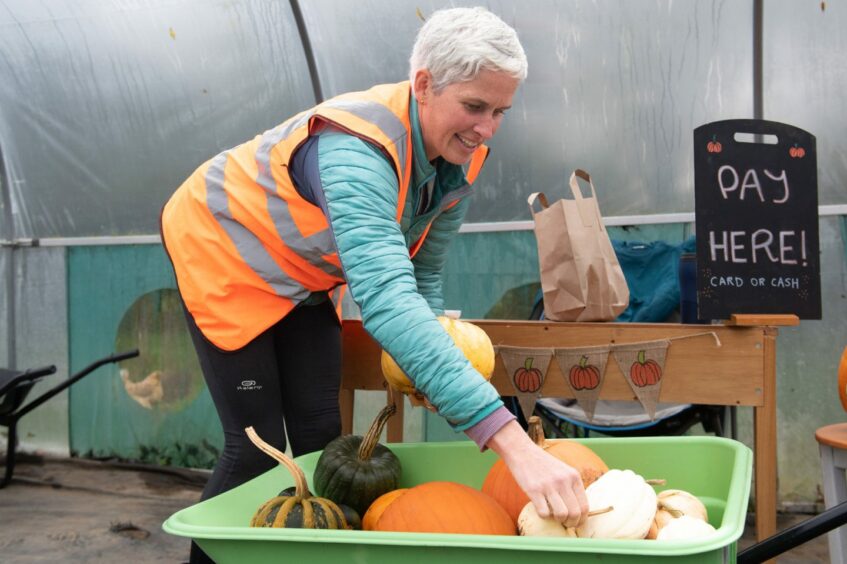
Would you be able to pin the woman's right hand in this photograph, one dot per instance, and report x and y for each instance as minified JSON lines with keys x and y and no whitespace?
{"x":417,"y":399}
{"x":554,"y":488}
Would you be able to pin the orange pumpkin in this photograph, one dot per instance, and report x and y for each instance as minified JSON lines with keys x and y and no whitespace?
{"x":842,"y":379}
{"x":444,"y":507}
{"x":377,"y":508}
{"x":501,"y":485}
{"x":653,"y":532}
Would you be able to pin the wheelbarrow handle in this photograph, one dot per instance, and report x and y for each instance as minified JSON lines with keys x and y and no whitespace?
{"x":122,"y":356}
{"x":793,"y":537}
{"x":75,"y":378}
{"x":98,"y":363}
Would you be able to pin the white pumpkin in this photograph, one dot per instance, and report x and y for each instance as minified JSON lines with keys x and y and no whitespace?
{"x":676,"y":503}
{"x":531,"y":525}
{"x":634,"y":506}
{"x":685,"y":528}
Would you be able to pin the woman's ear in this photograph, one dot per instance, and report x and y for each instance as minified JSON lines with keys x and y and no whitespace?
{"x":423,"y":85}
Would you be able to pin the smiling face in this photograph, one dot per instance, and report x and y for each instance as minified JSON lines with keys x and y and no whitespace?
{"x":455,"y":121}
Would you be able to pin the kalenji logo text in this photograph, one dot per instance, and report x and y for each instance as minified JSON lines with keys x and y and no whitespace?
{"x":248,"y":385}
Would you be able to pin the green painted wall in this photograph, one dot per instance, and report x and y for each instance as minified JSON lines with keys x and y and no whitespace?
{"x":155,"y":408}
{"x":116,"y":302}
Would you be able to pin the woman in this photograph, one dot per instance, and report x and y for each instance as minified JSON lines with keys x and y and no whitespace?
{"x":366,"y":189}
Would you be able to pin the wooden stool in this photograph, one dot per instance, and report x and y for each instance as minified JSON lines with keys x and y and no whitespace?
{"x":832,"y":440}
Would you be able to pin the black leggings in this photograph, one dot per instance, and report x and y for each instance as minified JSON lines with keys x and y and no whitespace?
{"x":287,"y":378}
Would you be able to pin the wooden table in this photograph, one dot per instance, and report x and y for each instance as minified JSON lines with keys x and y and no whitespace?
{"x":740,"y":372}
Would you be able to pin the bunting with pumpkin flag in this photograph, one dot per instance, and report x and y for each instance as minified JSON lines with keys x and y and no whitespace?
{"x":643,"y":365}
{"x":584,"y":369}
{"x":527,"y":370}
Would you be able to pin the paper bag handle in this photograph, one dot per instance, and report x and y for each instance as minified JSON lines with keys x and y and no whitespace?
{"x":577,"y":191}
{"x":588,"y":210}
{"x":541,"y":198}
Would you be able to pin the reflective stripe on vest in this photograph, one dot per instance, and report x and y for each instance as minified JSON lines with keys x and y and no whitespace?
{"x":249,"y":246}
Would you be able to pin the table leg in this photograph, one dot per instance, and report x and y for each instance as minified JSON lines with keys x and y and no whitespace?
{"x":765,"y":444}
{"x":345,"y":402}
{"x":395,"y":424}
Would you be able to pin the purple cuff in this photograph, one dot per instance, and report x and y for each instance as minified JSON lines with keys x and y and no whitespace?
{"x":485,"y":429}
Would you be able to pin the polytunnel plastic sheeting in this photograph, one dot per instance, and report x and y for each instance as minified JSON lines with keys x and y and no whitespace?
{"x":805,"y":75}
{"x":41,"y":339}
{"x":614,"y":87}
{"x":106,"y":106}
{"x":5,"y":262}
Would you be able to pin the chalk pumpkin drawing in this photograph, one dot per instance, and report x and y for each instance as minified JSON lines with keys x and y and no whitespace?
{"x":714,"y":146}
{"x":644,"y":371}
{"x":527,"y":379}
{"x":796,"y":152}
{"x":584,"y":376}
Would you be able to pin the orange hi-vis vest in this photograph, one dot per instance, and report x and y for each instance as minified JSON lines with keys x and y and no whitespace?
{"x":246,"y":247}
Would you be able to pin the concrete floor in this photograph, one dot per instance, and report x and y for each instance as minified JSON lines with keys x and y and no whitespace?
{"x":71,"y":510}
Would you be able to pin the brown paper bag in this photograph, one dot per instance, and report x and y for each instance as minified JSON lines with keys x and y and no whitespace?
{"x":581,"y":278}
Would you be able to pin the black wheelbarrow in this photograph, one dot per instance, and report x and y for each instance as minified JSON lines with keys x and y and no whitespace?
{"x":15,"y":385}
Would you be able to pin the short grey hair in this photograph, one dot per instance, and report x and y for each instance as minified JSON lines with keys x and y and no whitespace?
{"x":456,"y":43}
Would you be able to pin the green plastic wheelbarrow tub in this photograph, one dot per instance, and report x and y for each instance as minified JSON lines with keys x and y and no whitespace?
{"x":716,"y":470}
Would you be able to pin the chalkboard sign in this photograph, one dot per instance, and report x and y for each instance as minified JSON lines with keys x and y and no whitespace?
{"x":756,"y":210}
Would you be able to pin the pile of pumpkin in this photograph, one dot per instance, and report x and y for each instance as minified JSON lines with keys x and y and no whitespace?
{"x":356,"y":479}
{"x":357,"y":484}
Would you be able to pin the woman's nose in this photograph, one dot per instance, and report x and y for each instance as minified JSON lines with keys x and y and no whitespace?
{"x":486,"y":127}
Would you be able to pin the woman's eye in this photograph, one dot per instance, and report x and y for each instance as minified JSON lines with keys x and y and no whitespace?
{"x":473,"y":107}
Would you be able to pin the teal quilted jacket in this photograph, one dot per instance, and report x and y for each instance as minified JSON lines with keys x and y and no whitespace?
{"x":398,"y":297}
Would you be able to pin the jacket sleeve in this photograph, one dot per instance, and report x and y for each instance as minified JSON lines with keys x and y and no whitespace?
{"x":360,"y":191}
{"x":430,"y":258}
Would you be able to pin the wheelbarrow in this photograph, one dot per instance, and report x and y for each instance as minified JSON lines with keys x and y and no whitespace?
{"x":15,"y":385}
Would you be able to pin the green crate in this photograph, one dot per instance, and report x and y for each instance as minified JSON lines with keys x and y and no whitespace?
{"x":716,"y":470}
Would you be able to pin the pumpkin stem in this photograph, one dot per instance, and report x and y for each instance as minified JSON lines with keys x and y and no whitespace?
{"x":536,"y":431}
{"x":675,"y":513}
{"x":642,"y":357}
{"x":300,"y":486}
{"x":583,"y":361}
{"x":601,"y":511}
{"x":656,"y":481}
{"x":528,"y":363}
{"x":372,"y":437}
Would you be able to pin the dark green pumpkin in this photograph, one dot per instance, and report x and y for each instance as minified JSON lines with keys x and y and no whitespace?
{"x":355,"y":470}
{"x":354,"y":521}
{"x":299,"y":512}
{"x":297,"y":509}
{"x":352,"y":516}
